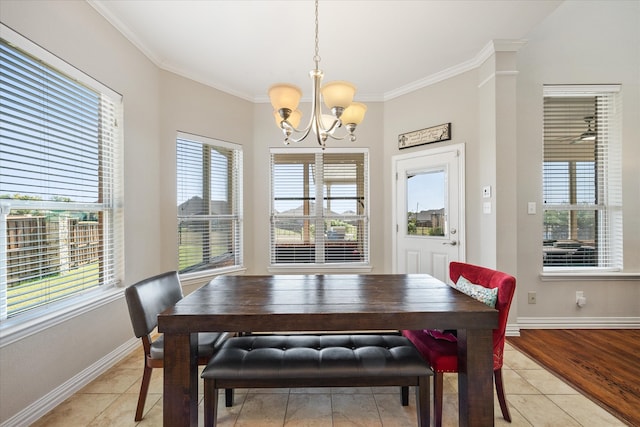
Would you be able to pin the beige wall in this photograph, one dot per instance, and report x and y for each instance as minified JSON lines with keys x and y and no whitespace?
{"x":582,"y":42}
{"x":267,"y":135}
{"x":191,"y":107}
{"x":454,"y":100}
{"x":589,"y":43}
{"x":75,"y":32}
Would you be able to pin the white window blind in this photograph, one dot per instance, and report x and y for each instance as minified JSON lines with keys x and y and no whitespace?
{"x":60,"y":181}
{"x":209,"y":182}
{"x":582,"y":172}
{"x":319,"y":207}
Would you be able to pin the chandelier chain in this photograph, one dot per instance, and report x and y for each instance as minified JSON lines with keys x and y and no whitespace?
{"x":337,"y":96}
{"x":316,"y":57}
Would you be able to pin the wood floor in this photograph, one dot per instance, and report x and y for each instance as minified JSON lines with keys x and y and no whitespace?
{"x":602,"y":364}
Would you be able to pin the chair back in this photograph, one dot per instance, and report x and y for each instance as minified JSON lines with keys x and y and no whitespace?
{"x":489,"y":278}
{"x":150,"y":297}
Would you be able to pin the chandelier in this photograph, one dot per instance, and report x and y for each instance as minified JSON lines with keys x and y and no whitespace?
{"x":337,"y":96}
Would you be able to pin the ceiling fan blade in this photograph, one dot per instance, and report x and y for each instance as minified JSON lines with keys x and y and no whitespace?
{"x":563,"y":138}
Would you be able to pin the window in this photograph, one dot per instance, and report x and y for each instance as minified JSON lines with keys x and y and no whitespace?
{"x":427,"y":186}
{"x":209,"y":175}
{"x":319,"y":207}
{"x":60,"y":180}
{"x":582,"y":177}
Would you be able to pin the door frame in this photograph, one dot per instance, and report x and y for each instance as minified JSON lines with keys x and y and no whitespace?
{"x":460,"y":150}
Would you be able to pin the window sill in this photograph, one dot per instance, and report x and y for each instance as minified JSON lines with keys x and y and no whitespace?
{"x":559,"y":276}
{"x":203,"y":277}
{"x":39,"y":319}
{"x":320,"y":268}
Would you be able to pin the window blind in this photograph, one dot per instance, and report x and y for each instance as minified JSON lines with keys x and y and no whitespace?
{"x":582,"y":172}
{"x":209,"y":182}
{"x":60,"y":182}
{"x":319,"y":207}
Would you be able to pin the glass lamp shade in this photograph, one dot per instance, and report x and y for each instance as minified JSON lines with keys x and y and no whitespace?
{"x":354,"y":113}
{"x":327,"y":121}
{"x":294,"y":118}
{"x":284,"y":95}
{"x":338,"y":94}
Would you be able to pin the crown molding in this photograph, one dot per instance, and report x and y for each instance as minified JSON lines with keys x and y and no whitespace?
{"x":498,"y":45}
{"x":125,"y":31}
{"x":485,"y":53}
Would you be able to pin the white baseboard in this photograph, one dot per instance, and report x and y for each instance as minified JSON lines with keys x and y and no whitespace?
{"x":40,"y":407}
{"x":579,"y":322}
{"x":513,"y":330}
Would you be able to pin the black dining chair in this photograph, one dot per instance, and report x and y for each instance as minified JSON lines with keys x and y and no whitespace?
{"x":148,"y":298}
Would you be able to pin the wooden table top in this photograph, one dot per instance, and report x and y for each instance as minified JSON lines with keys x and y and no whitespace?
{"x":326,"y":303}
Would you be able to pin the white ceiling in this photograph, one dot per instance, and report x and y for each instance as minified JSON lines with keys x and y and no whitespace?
{"x":385,"y":47}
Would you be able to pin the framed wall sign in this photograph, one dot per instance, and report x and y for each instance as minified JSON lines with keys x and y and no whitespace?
{"x":425,"y":136}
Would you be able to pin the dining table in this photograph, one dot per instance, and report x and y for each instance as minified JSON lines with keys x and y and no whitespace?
{"x":330,"y":303}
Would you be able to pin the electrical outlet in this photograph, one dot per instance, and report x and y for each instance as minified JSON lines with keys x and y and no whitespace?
{"x":532,"y":297}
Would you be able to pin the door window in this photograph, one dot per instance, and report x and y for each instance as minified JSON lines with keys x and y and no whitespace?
{"x":426,"y":204}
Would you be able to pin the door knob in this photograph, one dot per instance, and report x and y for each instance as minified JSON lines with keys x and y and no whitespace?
{"x":452,"y":243}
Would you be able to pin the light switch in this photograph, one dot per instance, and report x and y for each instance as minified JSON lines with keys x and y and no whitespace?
{"x":486,"y":207}
{"x":531,"y":208}
{"x":486,"y":191}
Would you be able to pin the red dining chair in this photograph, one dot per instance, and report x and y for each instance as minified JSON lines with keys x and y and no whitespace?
{"x":442,"y":352}
{"x":145,"y":300}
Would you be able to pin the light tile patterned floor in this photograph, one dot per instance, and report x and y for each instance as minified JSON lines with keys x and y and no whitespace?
{"x":535,"y":397}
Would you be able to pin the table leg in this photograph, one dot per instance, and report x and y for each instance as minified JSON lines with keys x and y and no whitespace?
{"x":475,"y":377}
{"x":180,"y":395}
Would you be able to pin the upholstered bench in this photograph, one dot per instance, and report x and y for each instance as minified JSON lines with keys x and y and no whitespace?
{"x":272,"y":361}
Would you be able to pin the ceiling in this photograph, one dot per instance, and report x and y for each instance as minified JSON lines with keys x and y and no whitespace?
{"x":385,"y":47}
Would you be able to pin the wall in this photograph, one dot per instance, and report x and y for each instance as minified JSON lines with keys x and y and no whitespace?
{"x":582,"y":42}
{"x":267,"y":135}
{"x":191,"y":107}
{"x":76,"y":33}
{"x":595,"y":42}
{"x":454,"y":100}
{"x":40,"y":363}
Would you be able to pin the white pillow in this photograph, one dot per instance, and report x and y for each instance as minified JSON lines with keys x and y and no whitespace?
{"x":488,"y":296}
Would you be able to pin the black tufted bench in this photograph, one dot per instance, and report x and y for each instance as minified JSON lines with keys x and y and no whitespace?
{"x":272,"y":361}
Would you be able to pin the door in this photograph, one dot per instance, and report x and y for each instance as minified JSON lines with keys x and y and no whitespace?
{"x":429,"y":211}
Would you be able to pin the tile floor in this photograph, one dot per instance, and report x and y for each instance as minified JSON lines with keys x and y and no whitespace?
{"x":535,"y":397}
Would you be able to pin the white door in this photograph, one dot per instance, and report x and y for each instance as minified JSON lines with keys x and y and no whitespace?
{"x":429,"y":211}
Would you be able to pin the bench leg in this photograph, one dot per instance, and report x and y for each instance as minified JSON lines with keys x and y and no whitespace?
{"x":210,"y":403}
{"x":422,"y":402}
{"x":404,"y":395}
{"x":228,"y":397}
